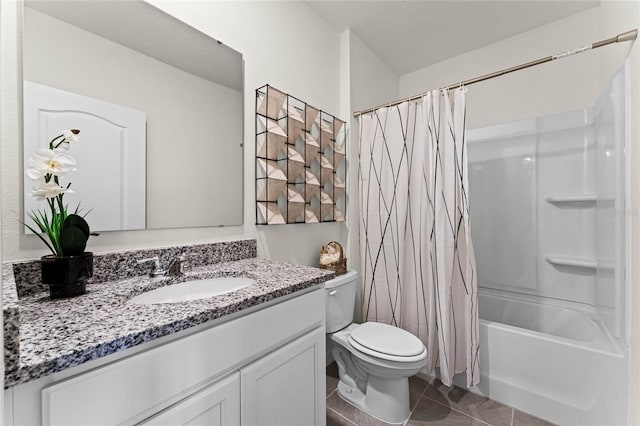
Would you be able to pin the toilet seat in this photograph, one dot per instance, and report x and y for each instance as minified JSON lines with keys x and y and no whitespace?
{"x":386,"y":342}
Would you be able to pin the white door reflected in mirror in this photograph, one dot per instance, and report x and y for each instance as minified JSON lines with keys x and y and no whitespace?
{"x":111,"y":171}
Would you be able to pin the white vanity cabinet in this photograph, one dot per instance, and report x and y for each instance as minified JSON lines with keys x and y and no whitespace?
{"x":215,"y":405}
{"x":284,"y":387}
{"x":265,"y":367}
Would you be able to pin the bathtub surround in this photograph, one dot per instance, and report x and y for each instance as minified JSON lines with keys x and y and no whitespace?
{"x":417,"y":259}
{"x":101,"y":322}
{"x":547,"y":195}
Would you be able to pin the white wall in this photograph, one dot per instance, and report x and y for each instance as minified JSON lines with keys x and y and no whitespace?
{"x":563,"y":85}
{"x":558,"y":86}
{"x":284,"y":44}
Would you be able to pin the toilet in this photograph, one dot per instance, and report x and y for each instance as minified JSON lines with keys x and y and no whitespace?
{"x":374,"y":360}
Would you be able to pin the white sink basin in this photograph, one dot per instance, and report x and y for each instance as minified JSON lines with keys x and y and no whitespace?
{"x":192,"y":290}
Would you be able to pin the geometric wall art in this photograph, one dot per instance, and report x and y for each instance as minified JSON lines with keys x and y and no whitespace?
{"x":300,"y":161}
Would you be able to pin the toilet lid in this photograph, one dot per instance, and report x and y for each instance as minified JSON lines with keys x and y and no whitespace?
{"x":387,"y":339}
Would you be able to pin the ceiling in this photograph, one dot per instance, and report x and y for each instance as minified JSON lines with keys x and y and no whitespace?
{"x":409,"y":35}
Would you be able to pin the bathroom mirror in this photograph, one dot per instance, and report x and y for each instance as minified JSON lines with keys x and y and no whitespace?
{"x":176,"y":160}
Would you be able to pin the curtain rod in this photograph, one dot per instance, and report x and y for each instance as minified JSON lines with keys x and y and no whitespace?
{"x":626,"y":36}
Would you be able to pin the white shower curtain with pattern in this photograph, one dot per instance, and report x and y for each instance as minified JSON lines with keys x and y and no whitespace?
{"x":417,"y":259}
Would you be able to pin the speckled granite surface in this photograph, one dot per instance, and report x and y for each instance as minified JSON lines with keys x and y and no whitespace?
{"x":11,"y":319}
{"x":123,"y":264}
{"x":58,"y":334}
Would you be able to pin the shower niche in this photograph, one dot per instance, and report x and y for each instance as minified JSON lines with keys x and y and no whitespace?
{"x":300,"y":161}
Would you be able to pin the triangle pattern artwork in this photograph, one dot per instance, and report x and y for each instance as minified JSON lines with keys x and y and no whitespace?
{"x":300,"y":161}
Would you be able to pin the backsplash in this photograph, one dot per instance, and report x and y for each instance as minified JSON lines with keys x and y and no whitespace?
{"x":118,"y":265}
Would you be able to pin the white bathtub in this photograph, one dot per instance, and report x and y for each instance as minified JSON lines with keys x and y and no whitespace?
{"x":551,"y":359}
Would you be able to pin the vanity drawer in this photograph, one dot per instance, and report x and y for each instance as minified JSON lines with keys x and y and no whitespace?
{"x":132,"y":389}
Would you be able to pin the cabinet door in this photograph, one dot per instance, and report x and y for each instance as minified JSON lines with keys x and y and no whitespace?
{"x":215,"y":405}
{"x":286,"y":387}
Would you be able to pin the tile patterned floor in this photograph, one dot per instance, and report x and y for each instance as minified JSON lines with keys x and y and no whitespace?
{"x":432,"y":403}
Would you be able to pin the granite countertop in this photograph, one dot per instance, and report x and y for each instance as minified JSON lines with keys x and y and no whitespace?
{"x":59,"y":334}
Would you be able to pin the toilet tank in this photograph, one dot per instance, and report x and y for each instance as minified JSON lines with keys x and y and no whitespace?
{"x":341,"y":299}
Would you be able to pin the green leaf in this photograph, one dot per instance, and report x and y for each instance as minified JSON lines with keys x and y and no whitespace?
{"x":36,"y":233}
{"x":77,"y":221}
{"x":73,"y":240}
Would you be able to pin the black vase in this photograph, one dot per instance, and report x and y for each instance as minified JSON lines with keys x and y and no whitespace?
{"x":67,"y":276}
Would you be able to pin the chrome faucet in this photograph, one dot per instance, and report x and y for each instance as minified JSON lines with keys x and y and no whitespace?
{"x":179,"y":264}
{"x":176,"y":268}
{"x":157,"y":270}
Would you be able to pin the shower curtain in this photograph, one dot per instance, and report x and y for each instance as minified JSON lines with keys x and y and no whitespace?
{"x":417,"y":259}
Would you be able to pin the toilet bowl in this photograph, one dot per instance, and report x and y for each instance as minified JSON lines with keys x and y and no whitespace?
{"x":374,"y":360}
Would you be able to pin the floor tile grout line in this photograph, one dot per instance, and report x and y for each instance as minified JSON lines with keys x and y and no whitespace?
{"x":360,"y":410}
{"x":332,"y":392}
{"x":455,"y":409}
{"x":340,"y":415}
{"x":416,"y":406}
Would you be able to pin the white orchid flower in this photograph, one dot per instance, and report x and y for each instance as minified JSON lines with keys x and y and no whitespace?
{"x":54,"y":161}
{"x":65,"y":139}
{"x":71,"y":135}
{"x":48,"y":190}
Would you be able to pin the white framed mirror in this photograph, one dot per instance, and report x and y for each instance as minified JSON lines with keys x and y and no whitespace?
{"x":178,"y":161}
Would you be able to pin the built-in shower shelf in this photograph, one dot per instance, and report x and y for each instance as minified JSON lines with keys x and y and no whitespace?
{"x":577,"y":262}
{"x":581,"y":200}
{"x":580,"y":262}
{"x":577,"y":200}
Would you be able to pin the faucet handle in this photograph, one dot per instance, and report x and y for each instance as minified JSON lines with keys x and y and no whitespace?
{"x":180,"y":263}
{"x":157,"y":270}
{"x":187,"y":258}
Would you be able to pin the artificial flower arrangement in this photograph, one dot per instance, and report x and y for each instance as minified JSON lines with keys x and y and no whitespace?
{"x":67,"y":233}
{"x":67,"y":269}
